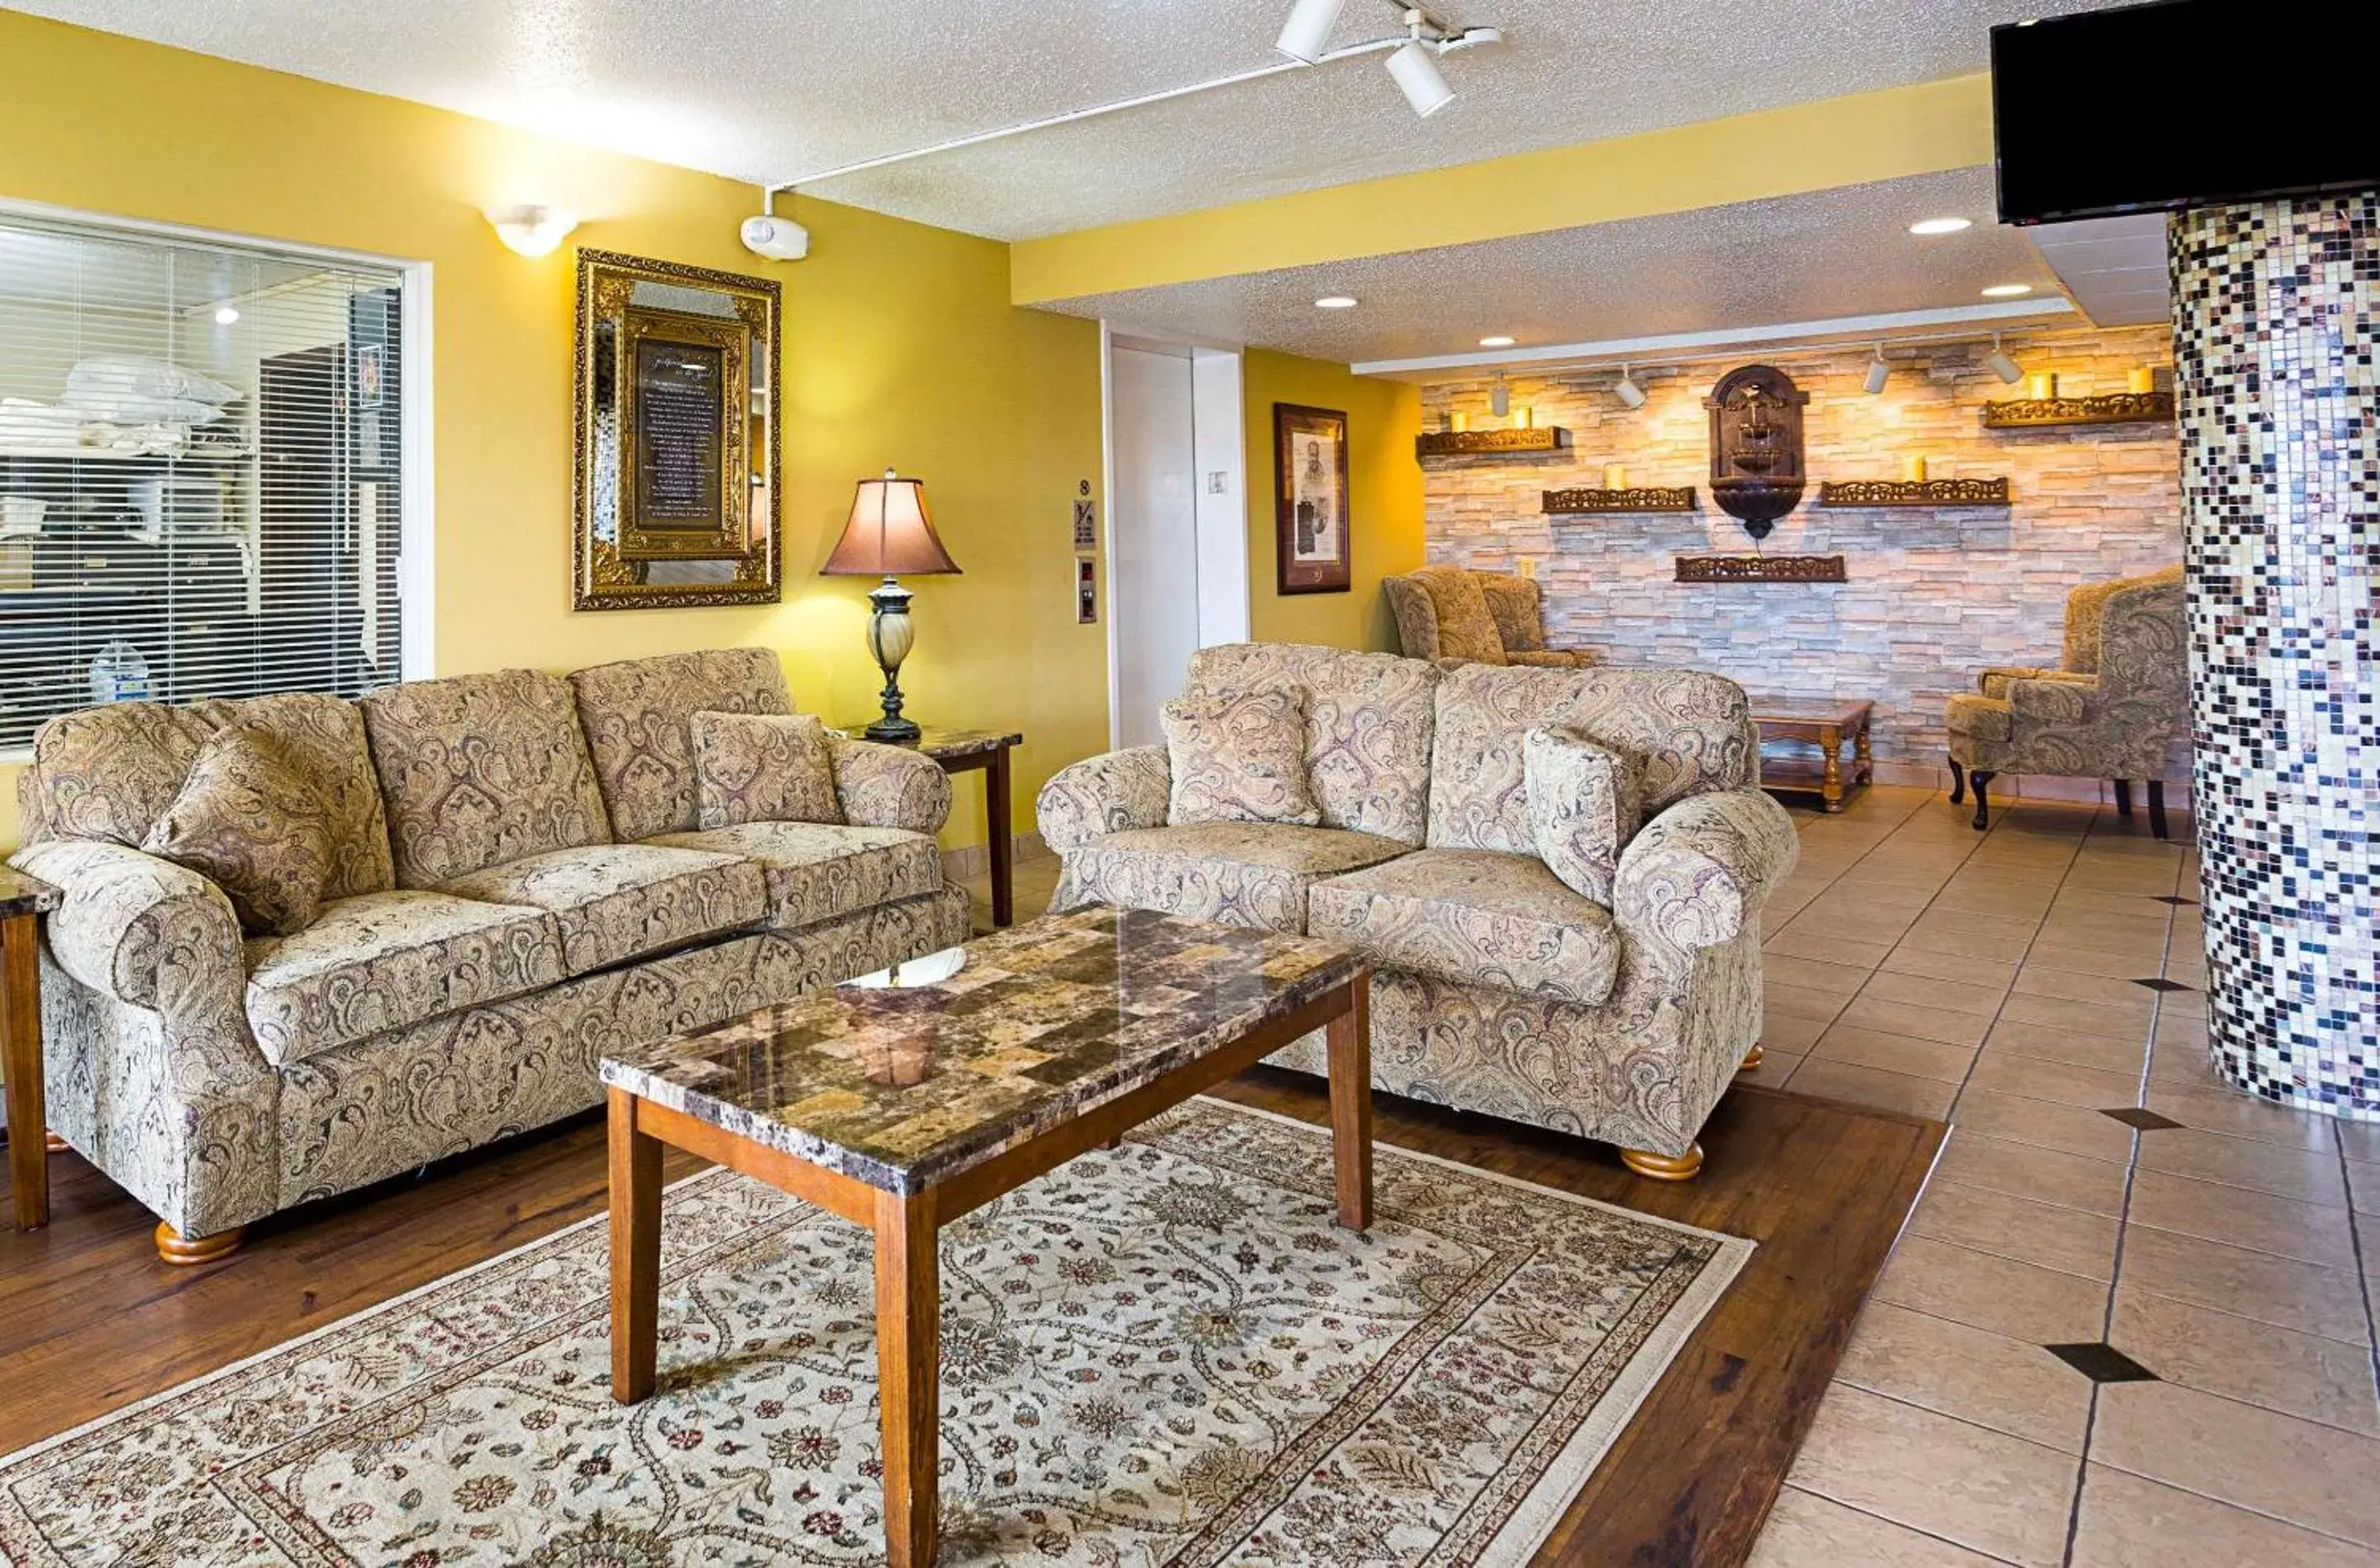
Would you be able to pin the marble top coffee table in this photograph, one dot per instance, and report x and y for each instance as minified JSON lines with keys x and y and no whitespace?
{"x":905,"y":1099}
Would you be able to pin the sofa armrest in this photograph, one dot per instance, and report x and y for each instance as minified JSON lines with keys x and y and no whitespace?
{"x":890,"y":786}
{"x":1698,"y":874}
{"x":1108,"y":793}
{"x":1996,"y":682}
{"x":2053,"y":702}
{"x":1550,"y":658}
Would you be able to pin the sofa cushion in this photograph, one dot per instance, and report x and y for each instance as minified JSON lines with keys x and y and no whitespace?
{"x":637,"y":715}
{"x":1368,"y":721}
{"x":382,"y":960}
{"x":1238,"y":757}
{"x":1514,"y":602}
{"x":1691,"y":730}
{"x":615,"y":902}
{"x":762,"y":768}
{"x":818,"y":871}
{"x":322,"y":737}
{"x":1466,"y":627}
{"x":1584,"y":803}
{"x":1241,"y":873}
{"x":480,"y":771}
{"x":248,"y":821}
{"x":1476,"y":918}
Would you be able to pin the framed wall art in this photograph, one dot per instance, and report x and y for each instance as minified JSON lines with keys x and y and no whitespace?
{"x":1314,"y":551}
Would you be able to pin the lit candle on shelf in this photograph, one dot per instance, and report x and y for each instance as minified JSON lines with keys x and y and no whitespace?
{"x":1614,"y":477}
{"x":2140,"y":378}
{"x":2042,"y":385}
{"x":1912,"y":468}
{"x":1458,"y":421}
{"x":1524,"y":416}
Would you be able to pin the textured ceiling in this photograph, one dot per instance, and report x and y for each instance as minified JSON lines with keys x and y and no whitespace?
{"x":1821,"y":256}
{"x":768,"y":89}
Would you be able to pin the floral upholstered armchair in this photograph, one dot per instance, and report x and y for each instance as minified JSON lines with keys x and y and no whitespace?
{"x":1448,"y":614}
{"x":2109,"y":711}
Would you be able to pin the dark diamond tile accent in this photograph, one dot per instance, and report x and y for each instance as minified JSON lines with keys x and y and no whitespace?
{"x":2102,"y":1363}
{"x":2178,"y":903}
{"x":2161,"y":984}
{"x":2146,"y":1120}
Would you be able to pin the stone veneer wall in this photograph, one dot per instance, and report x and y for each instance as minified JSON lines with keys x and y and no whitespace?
{"x":2276,"y":340}
{"x":1932,"y":597}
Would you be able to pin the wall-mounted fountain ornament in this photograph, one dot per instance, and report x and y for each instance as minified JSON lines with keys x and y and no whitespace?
{"x":1756,"y":418}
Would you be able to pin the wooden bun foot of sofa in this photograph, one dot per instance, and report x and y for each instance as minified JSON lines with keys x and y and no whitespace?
{"x":183,"y":1251}
{"x":1663,"y":1167}
{"x":1751,"y":1059}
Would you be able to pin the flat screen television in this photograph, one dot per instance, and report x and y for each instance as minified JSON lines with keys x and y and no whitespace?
{"x":2183,"y":104}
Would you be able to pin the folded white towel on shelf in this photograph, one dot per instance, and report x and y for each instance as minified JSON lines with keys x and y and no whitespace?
{"x":132,"y":408}
{"x":156,"y":440}
{"x":115,"y":377}
{"x":24,"y":423}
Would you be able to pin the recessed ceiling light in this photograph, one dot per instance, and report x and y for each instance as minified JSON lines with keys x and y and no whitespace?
{"x":1940,"y":226}
{"x":1498,"y":341}
{"x":1335,"y":302}
{"x":2007,"y":290}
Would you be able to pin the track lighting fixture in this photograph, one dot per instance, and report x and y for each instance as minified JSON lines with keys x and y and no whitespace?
{"x":1414,"y":70}
{"x":1878,"y":372}
{"x":1499,"y":396}
{"x":1305,"y":37}
{"x":2002,"y":366}
{"x":1627,"y":391}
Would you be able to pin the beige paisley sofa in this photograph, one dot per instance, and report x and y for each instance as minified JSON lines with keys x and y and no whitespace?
{"x":518,"y":887}
{"x":1498,"y":989}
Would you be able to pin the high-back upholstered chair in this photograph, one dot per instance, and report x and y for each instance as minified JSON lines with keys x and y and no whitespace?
{"x":1446,"y":612}
{"x":2107,"y":712}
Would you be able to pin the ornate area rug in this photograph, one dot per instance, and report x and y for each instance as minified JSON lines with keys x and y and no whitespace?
{"x":1167,"y":1354}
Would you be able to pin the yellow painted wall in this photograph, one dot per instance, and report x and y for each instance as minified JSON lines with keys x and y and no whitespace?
{"x":1384,"y":486}
{"x":901,"y":349}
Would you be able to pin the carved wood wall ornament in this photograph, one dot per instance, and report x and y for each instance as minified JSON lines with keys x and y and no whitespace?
{"x":1756,"y":466}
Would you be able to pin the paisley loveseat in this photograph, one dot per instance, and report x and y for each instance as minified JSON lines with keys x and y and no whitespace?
{"x":518,"y":885}
{"x":1499,"y":988}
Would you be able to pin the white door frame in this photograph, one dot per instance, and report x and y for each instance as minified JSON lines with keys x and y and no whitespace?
{"x":1218,"y":462}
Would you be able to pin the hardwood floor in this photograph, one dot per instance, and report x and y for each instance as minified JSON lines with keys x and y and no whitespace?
{"x":90,"y":1322}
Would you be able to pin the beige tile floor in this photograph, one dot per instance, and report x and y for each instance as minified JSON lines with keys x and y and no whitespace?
{"x":1991,"y":980}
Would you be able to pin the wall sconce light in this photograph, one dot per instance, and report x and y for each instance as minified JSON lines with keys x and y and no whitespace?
{"x":1627,"y":391}
{"x":1878,"y":372}
{"x":2002,"y":366}
{"x":1500,"y":397}
{"x":533,"y":230}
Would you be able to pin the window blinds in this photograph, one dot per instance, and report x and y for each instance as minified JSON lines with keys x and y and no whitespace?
{"x":200,"y":459}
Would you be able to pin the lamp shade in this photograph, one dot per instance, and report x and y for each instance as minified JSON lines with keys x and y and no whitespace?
{"x":889,"y":534}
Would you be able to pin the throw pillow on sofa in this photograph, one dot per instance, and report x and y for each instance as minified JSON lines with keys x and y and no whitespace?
{"x":762,"y":768}
{"x":1238,"y":760}
{"x":1586,"y":803}
{"x":251,"y":821}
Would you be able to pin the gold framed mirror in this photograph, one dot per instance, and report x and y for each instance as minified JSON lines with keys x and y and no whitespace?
{"x":674,"y":494}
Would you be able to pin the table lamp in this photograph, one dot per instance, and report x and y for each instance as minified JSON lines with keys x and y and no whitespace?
{"x":890,"y":535}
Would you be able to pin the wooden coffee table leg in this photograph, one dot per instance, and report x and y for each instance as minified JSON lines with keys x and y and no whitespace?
{"x":636,"y":1251}
{"x":21,"y":1059}
{"x":1866,"y":772}
{"x":1830,"y":785}
{"x":909,"y":1368}
{"x":1350,"y":1037}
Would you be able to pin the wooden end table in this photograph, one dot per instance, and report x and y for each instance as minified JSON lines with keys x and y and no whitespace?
{"x":960,"y":751}
{"x":904,"y":1100}
{"x":23,"y":901}
{"x":1823,"y":721}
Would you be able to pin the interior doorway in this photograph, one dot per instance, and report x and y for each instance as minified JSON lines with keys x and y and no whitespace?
{"x":1177,"y":521}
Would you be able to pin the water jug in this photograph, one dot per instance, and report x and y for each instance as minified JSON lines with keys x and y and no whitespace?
{"x":119,"y":674}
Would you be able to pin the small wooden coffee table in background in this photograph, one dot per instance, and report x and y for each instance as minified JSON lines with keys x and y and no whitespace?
{"x":23,"y":901}
{"x":902,"y":1100}
{"x":1797,"y":724}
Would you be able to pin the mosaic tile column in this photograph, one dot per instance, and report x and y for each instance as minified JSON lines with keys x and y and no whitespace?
{"x":2277,"y":362}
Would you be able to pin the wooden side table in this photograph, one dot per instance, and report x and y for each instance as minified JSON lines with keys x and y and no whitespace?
{"x":23,"y":901}
{"x":961,"y":751}
{"x":1825,"y":723}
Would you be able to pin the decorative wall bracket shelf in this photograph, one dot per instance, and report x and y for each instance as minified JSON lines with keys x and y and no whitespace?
{"x":1639,"y":498}
{"x":1490,"y":443}
{"x":2114,"y":409}
{"x":1915,"y":493}
{"x":1760,"y":568}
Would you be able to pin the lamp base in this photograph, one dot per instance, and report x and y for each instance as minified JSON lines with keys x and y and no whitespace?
{"x":892,"y":732}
